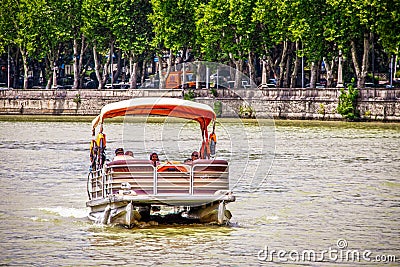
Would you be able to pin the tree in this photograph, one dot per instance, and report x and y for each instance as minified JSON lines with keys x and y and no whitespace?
{"x":226,"y":31}
{"x":353,"y":24}
{"x":53,"y":36}
{"x":98,"y":29}
{"x":21,"y":24}
{"x":132,"y":31}
{"x":174,"y":31}
{"x":275,"y":18}
{"x":74,"y":24}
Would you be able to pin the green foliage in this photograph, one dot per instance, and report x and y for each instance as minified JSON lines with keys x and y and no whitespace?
{"x":130,"y":26}
{"x":77,"y":99}
{"x":246,"y":111}
{"x":347,"y":106}
{"x":173,"y":23}
{"x":321,"y":109}
{"x":190,"y":95}
{"x":218,"y":108}
{"x":214,"y":92}
{"x":225,"y":29}
{"x":214,"y":30}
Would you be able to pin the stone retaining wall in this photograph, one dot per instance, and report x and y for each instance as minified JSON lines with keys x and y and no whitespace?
{"x":374,"y":104}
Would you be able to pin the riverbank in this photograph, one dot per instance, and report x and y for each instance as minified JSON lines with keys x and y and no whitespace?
{"x":377,"y":104}
{"x":276,"y":122}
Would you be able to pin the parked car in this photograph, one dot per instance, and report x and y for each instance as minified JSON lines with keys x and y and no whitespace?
{"x":317,"y":85}
{"x":90,"y":84}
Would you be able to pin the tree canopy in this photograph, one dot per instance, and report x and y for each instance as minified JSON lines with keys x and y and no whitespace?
{"x":241,"y":33}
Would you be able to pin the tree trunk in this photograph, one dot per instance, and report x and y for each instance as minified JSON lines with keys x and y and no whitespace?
{"x":162,"y":77}
{"x":286,"y":79}
{"x":106,"y":66}
{"x":119,"y":66}
{"x":293,"y":77}
{"x":270,"y":66}
{"x":362,"y":71}
{"x":25,"y":63}
{"x":329,"y":72}
{"x":238,"y":70}
{"x":49,"y":73}
{"x":318,"y":74}
{"x":36,"y":72}
{"x":252,"y":72}
{"x":282,"y":64}
{"x":79,"y":70}
{"x":76,"y":64}
{"x":143,"y":73}
{"x":83,"y":69}
{"x":15,"y":67}
{"x":97,"y":67}
{"x":133,"y":70}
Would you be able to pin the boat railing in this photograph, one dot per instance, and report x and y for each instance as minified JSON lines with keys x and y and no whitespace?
{"x":173,"y":179}
{"x":140,"y":177}
{"x":95,"y":184}
{"x":208,"y":178}
{"x":124,"y":176}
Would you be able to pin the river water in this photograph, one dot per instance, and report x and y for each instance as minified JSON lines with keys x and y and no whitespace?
{"x":328,"y":190}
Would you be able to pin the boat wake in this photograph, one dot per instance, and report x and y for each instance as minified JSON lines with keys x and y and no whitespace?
{"x":65,"y":212}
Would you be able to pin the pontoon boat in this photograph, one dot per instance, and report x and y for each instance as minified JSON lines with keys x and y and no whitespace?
{"x":127,"y":192}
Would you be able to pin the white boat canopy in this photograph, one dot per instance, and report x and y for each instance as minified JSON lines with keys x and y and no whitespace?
{"x":172,"y":107}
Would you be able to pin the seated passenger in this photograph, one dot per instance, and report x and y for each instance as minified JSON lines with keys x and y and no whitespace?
{"x":193,"y":157}
{"x":129,"y":154}
{"x":120,"y":155}
{"x":154,"y":159}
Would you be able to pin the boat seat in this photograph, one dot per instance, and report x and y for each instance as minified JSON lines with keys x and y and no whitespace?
{"x":212,"y":165}
{"x":130,"y":166}
{"x":129,"y":161}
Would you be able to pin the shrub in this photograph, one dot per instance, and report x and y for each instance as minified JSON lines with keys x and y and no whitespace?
{"x":347,"y":106}
{"x":218,"y":108}
{"x":190,"y":95}
{"x":246,"y":111}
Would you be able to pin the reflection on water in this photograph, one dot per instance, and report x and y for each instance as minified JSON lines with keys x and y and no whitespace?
{"x":324,"y":184}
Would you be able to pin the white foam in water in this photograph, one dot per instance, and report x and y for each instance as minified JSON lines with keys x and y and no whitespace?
{"x":68,"y":212}
{"x":37,"y":219}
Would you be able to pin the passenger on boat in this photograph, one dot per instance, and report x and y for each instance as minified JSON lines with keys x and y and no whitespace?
{"x":120,"y":155}
{"x":154,"y":158}
{"x":193,"y":157}
{"x":129,"y":153}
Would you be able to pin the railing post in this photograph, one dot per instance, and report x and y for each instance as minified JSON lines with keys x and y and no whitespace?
{"x":103,"y":178}
{"x":191,"y":179}
{"x":155,"y":181}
